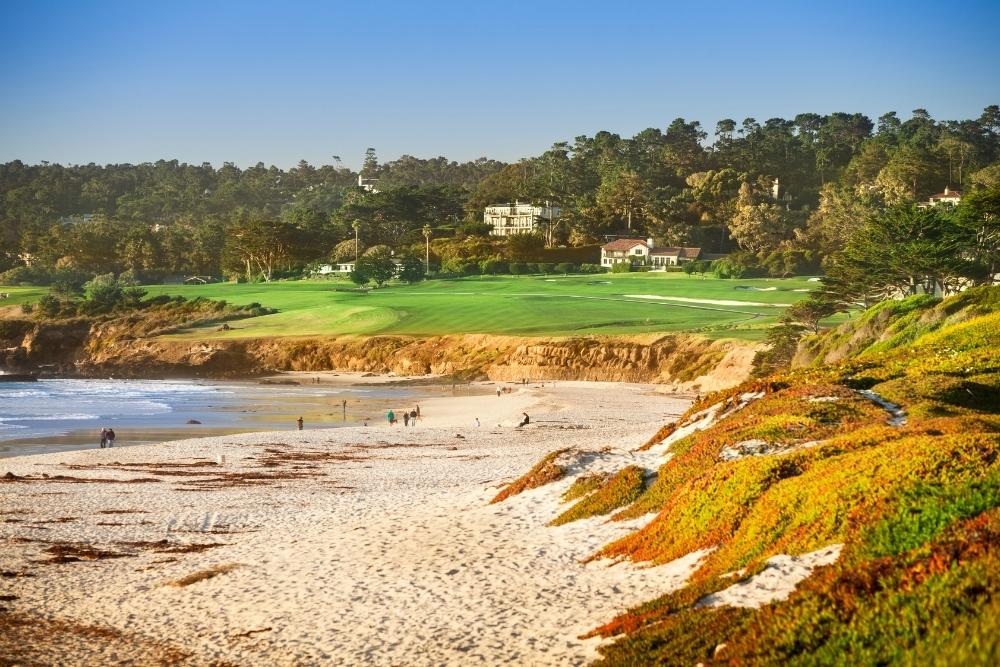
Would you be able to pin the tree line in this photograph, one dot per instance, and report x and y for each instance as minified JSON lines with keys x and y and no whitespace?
{"x":834,"y":173}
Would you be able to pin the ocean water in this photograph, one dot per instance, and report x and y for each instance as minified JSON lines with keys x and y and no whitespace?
{"x":64,"y":414}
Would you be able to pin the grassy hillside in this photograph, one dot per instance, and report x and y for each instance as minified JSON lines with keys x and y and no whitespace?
{"x":907,"y":479}
{"x":574,"y":305}
{"x":892,"y":324}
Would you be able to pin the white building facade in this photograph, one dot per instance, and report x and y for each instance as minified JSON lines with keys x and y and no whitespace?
{"x":518,"y":218}
{"x":638,"y":251}
{"x":327,"y":269}
{"x":634,"y":251}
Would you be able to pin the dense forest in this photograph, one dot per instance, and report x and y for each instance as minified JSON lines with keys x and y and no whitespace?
{"x":834,"y":174}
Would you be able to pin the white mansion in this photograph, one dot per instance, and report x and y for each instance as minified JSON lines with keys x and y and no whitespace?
{"x":518,"y":218}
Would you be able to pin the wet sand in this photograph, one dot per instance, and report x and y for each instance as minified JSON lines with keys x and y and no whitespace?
{"x":251,"y":406}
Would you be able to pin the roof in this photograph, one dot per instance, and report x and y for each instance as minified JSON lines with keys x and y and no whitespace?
{"x":686,"y":253}
{"x":951,"y":194}
{"x":623,"y":244}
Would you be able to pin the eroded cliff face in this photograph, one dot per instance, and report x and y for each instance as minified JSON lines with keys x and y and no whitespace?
{"x":682,"y":361}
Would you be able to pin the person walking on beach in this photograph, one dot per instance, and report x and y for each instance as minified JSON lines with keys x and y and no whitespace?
{"x":299,"y":423}
{"x":477,"y":422}
{"x":391,"y":417}
{"x":406,"y":418}
{"x":413,"y":417}
{"x":104,"y":437}
{"x":498,"y":391}
{"x":418,"y":410}
{"x":111,"y":437}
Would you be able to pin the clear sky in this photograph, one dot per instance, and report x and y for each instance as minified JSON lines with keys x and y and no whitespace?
{"x":276,"y":82}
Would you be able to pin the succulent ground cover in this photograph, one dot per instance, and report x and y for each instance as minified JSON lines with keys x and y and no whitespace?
{"x":892,"y":451}
{"x":616,"y":491}
{"x":545,"y":471}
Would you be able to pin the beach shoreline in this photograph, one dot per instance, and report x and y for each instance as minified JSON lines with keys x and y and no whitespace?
{"x":362,"y":544}
{"x":66,"y":414}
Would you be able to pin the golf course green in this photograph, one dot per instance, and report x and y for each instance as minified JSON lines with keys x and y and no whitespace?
{"x":572,"y":305}
{"x":606,"y":304}
{"x":18,"y":295}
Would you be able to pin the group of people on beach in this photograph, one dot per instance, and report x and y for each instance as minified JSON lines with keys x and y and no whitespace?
{"x":409,"y":418}
{"x":107,"y":437}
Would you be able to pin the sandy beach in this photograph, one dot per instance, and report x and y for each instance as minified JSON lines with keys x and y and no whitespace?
{"x":372,"y":545}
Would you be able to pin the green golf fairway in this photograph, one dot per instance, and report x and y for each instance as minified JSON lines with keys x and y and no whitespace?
{"x":529,"y":305}
{"x":533,"y":306}
{"x":18,"y":295}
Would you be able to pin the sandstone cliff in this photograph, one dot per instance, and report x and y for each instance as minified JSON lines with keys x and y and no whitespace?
{"x":682,"y":361}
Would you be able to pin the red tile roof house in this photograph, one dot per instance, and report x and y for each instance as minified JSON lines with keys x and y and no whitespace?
{"x":949,"y":196}
{"x":638,"y":251}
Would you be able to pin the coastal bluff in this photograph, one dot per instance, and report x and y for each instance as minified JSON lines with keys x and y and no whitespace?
{"x":688,"y":361}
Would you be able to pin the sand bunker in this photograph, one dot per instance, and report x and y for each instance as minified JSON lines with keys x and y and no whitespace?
{"x":710,"y":302}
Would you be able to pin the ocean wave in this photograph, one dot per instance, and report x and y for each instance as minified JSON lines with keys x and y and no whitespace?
{"x":124,"y":388}
{"x":71,"y":416}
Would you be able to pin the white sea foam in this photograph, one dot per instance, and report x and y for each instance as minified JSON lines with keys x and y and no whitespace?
{"x":72,"y":416}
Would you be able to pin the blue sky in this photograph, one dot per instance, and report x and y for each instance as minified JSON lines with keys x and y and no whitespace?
{"x":282,"y":81}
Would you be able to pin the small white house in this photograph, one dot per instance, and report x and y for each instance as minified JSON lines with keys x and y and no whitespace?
{"x":634,"y":251}
{"x":949,"y":196}
{"x":672,"y":256}
{"x":637,"y":251}
{"x":328,"y":269}
{"x":368,"y":184}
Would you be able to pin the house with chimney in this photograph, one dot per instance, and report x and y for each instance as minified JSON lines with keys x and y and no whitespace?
{"x":949,"y":196}
{"x":644,"y":252}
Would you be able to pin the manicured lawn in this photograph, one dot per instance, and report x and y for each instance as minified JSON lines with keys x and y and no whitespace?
{"x":535,"y":305}
{"x":604,"y":304}
{"x":18,"y":295}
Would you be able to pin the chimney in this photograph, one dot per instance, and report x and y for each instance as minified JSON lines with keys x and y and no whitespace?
{"x":649,"y":242}
{"x":946,"y":190}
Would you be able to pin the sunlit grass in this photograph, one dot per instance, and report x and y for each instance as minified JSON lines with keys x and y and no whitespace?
{"x":529,"y":306}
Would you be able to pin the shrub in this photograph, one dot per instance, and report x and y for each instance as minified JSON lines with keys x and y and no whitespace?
{"x":524,"y":246}
{"x":494,"y":266}
{"x":621,"y":267}
{"x":518,"y":268}
{"x":737,"y":265}
{"x":412,"y":269}
{"x":359,"y":277}
{"x":726,"y":268}
{"x":49,"y":306}
{"x":103,"y":293}
{"x":26,"y":275}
